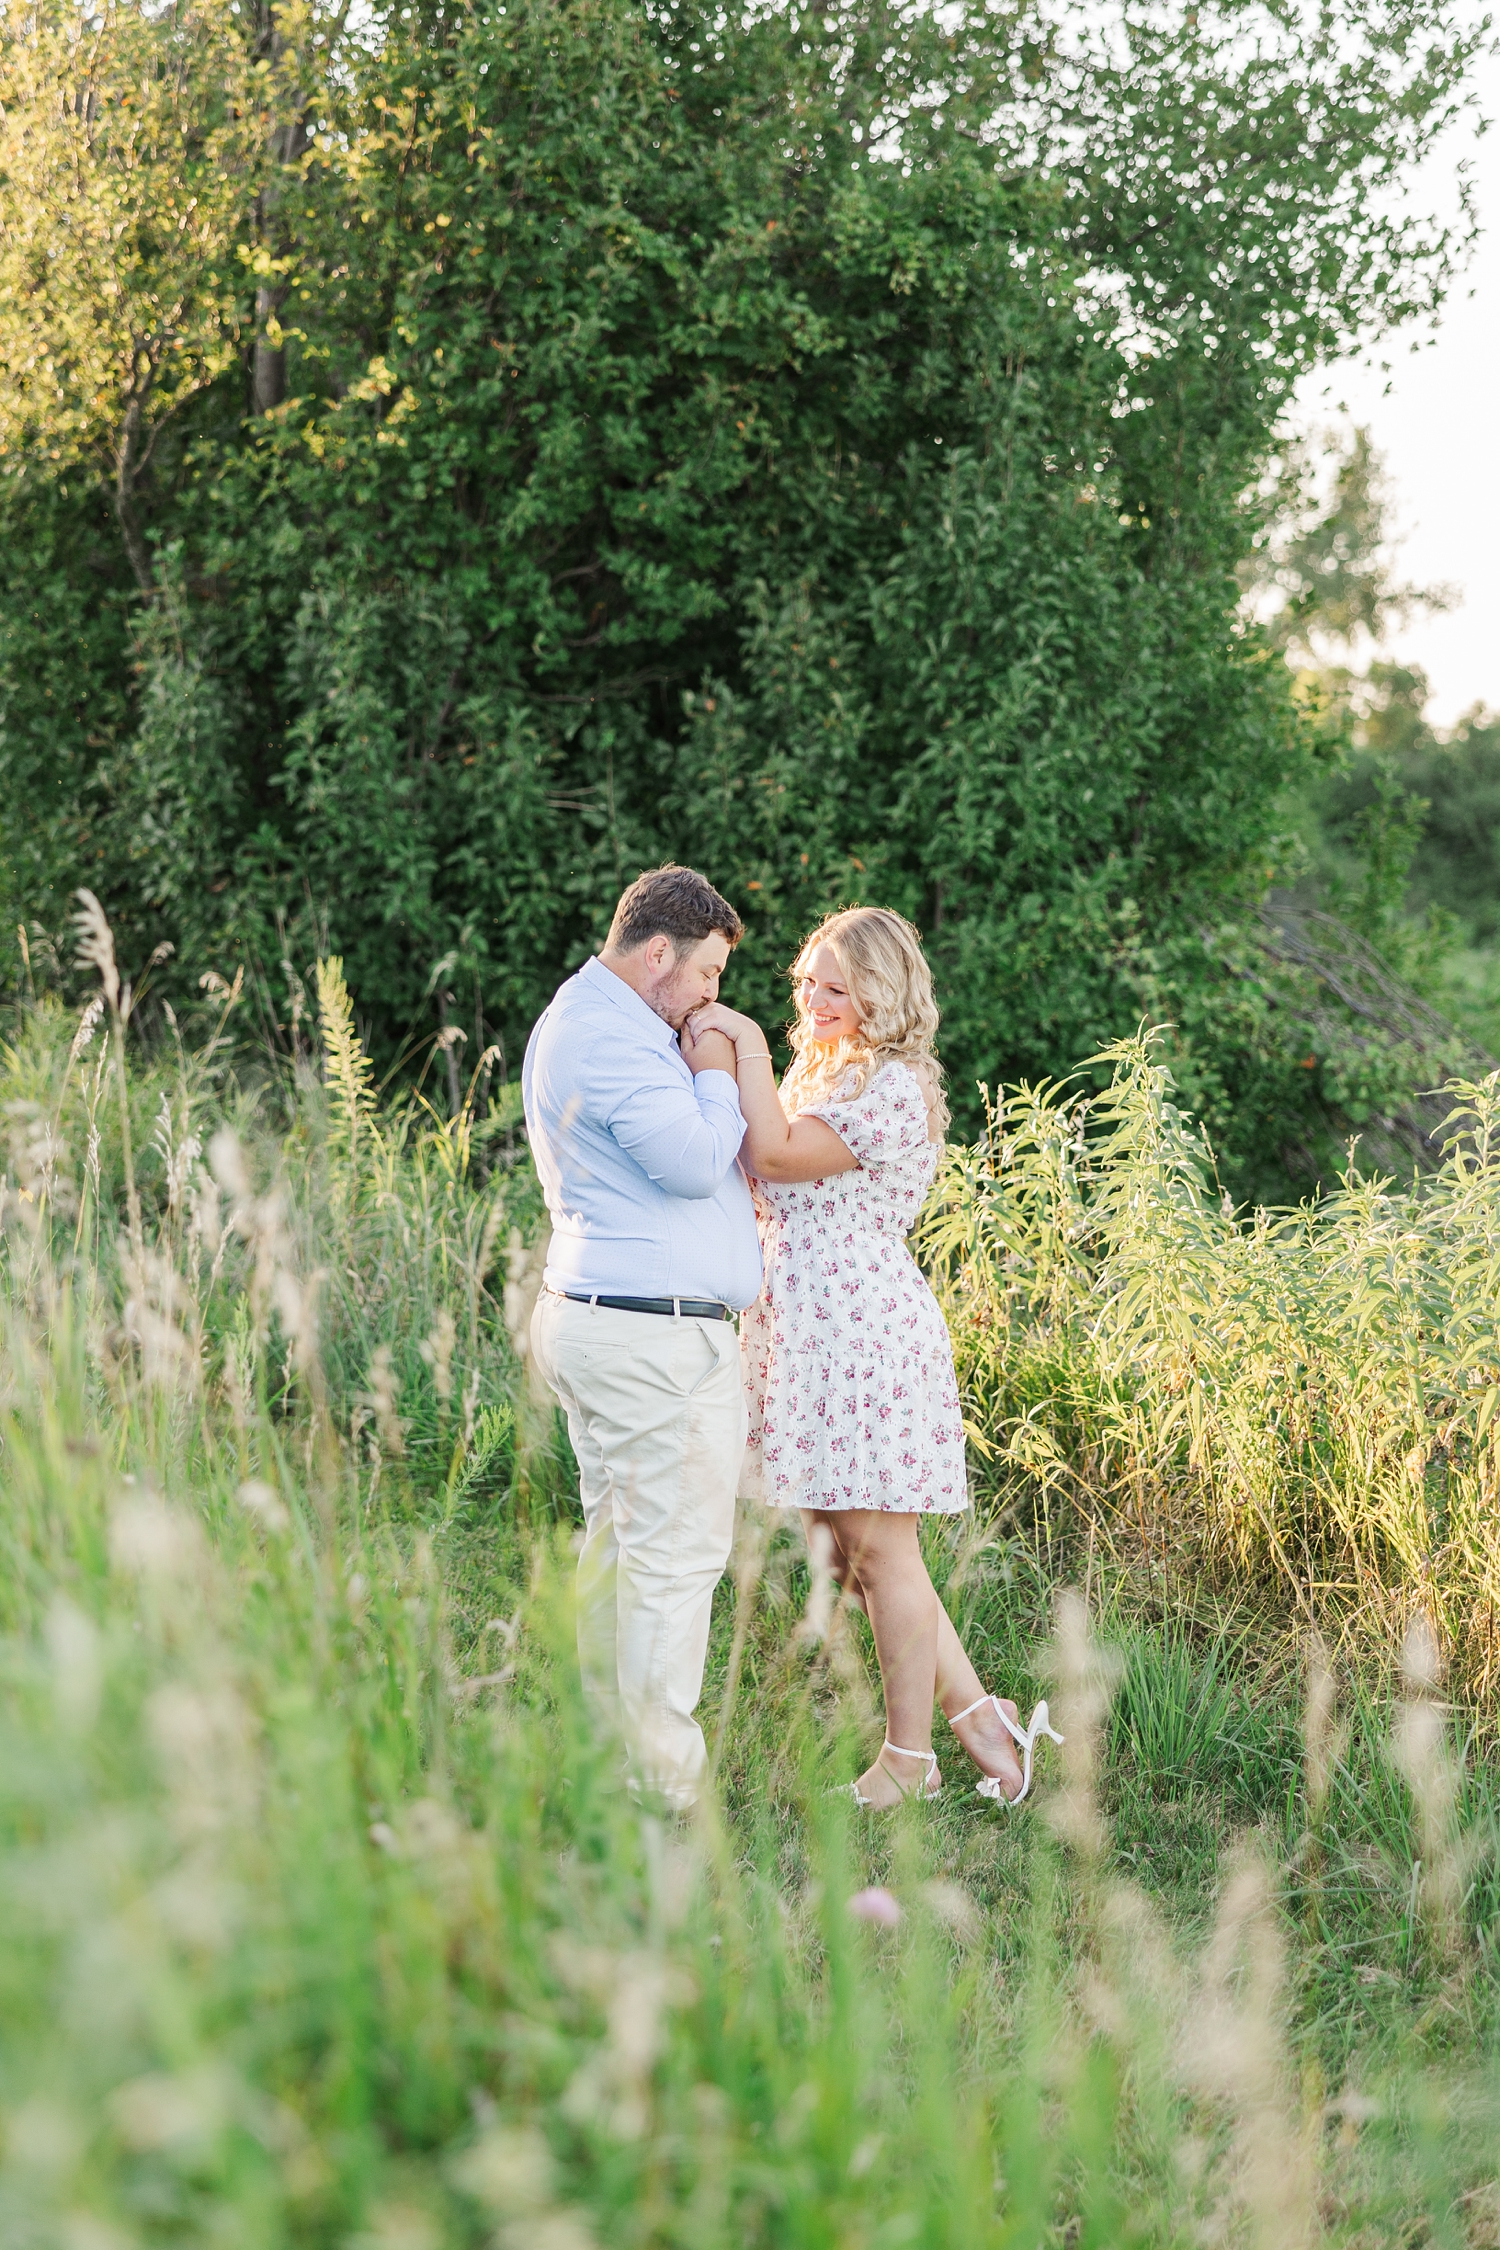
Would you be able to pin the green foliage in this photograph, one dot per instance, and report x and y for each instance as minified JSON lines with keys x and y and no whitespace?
{"x":1404,"y":841}
{"x":813,"y":445}
{"x":1435,"y":797}
{"x":1455,"y":864}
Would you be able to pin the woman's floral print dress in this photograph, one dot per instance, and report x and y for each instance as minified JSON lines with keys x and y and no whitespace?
{"x":848,"y":1368}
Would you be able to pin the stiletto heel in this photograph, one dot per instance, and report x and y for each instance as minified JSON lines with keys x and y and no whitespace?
{"x":1039,"y":1723}
{"x":924,"y":1788}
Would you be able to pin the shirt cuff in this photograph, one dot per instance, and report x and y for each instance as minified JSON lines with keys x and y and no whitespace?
{"x":705,"y":1080}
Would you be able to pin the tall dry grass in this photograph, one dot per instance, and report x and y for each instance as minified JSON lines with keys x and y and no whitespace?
{"x":1295,"y":1409}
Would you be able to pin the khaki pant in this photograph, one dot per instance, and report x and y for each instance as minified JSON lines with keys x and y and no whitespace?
{"x":656,"y":1416}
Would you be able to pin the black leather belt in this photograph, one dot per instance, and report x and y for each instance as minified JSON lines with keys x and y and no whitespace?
{"x":690,"y":1308}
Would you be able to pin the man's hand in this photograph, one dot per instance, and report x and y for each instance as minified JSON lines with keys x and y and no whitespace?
{"x":707,"y":1049}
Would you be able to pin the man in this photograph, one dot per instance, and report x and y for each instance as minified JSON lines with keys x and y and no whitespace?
{"x":653,"y":1247}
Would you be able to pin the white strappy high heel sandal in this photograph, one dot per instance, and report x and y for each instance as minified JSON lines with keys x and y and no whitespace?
{"x":1040,"y":1723}
{"x":924,"y":1787}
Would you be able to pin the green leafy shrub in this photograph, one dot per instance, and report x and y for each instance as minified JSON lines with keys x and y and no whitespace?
{"x":811,"y":444}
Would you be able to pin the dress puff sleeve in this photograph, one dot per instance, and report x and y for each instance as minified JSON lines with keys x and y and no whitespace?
{"x":884,"y":1123}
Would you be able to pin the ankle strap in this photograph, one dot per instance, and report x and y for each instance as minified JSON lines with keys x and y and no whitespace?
{"x":930,"y":1755}
{"x":973,"y":1707}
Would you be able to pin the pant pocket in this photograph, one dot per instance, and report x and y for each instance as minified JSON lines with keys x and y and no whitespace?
{"x":716,"y":1356}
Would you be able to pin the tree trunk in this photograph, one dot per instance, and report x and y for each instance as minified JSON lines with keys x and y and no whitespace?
{"x":288,"y":144}
{"x":268,"y":367}
{"x":127,"y":467}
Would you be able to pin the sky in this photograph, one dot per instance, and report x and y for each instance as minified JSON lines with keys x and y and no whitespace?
{"x":1436,"y":418}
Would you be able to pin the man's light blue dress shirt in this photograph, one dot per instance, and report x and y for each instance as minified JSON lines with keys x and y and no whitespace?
{"x":636,"y":1156}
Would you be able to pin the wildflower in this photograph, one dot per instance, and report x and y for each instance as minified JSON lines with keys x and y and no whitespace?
{"x":509,"y":2171}
{"x":875,"y":1905}
{"x":161,"y":2111}
{"x":636,"y":1991}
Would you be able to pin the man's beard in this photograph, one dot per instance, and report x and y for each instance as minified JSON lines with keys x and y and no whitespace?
{"x":664,"y":1000}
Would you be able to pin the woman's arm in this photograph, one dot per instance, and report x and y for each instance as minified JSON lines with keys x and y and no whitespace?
{"x":775,"y":1147}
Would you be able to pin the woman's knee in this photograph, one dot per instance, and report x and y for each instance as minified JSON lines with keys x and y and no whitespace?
{"x":883,"y":1544}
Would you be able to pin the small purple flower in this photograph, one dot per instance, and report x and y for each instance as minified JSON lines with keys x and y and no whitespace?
{"x":875,"y":1905}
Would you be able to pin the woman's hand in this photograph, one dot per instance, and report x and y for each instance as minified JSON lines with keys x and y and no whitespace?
{"x":716,"y":1038}
{"x":730,"y":1025}
{"x":775,"y":1147}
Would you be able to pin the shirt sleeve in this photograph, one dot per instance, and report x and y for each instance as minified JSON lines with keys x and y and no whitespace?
{"x":888,"y":1120}
{"x":685,"y":1138}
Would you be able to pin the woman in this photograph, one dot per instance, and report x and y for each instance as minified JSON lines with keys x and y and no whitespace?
{"x":854,"y":1412}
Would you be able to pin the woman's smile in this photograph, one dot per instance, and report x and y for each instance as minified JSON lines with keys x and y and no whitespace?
{"x":825,"y":999}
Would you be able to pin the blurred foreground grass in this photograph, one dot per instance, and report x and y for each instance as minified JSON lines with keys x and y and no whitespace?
{"x":328,"y":1921}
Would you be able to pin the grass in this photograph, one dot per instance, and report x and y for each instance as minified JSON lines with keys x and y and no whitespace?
{"x":330,"y":1922}
{"x":1300,"y":1403}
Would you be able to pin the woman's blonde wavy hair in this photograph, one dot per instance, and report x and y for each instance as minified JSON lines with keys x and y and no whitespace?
{"x":890,"y":984}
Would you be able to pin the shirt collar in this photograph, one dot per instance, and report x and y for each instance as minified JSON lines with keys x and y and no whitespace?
{"x":599,"y":979}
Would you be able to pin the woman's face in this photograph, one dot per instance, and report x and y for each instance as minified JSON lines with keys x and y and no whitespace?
{"x":823,"y":997}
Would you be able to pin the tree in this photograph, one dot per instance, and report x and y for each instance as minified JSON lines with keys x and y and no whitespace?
{"x":1403,"y":823}
{"x":814,"y":444}
{"x":126,"y":144}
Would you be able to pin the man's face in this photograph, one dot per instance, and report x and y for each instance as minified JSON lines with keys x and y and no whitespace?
{"x":681,"y":982}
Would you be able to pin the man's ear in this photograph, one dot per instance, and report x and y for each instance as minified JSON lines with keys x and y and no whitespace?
{"x":657,"y":950}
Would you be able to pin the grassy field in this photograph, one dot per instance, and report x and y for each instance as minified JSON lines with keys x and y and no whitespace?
{"x":328,"y":1921}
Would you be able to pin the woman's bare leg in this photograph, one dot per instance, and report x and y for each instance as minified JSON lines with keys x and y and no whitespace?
{"x":981,"y":1733}
{"x":883,"y":1551}
{"x":956,"y":1681}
